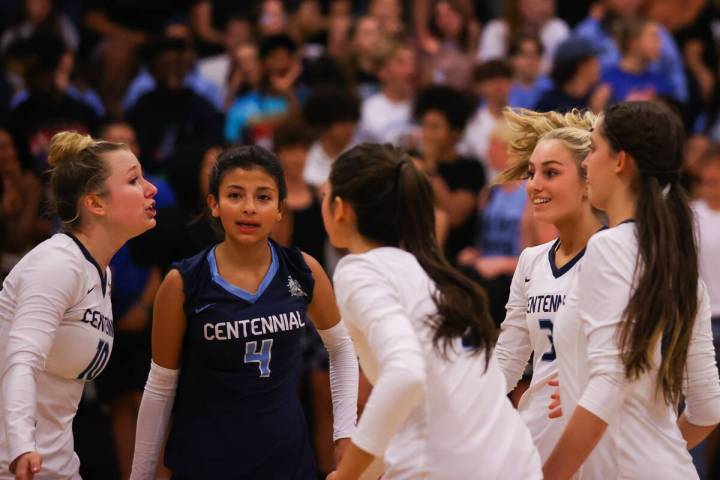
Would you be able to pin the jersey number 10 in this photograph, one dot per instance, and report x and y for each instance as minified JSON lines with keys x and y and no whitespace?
{"x":262,"y":357}
{"x":98,"y":362}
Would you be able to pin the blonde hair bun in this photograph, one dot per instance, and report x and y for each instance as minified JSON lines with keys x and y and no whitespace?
{"x":65,"y":146}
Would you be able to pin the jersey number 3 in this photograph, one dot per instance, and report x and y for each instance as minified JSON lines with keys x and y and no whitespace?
{"x":98,"y":362}
{"x":262,"y":357}
{"x":546,"y":324}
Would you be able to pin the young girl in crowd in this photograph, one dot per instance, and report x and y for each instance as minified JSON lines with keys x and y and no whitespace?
{"x":422,"y":331}
{"x":56,"y":325}
{"x":227,"y":325}
{"x":549,"y":148}
{"x":634,"y":333}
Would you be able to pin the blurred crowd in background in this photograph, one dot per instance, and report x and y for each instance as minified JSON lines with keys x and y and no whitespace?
{"x":178,"y":80}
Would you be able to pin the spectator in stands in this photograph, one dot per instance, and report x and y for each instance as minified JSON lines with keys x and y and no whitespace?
{"x":253,"y":116}
{"x":216,"y":24}
{"x":492,"y":83}
{"x":389,"y":13}
{"x":575,"y":73}
{"x":41,"y":17}
{"x":454,"y":34}
{"x":172,"y":115}
{"x":443,"y":113}
{"x":599,"y":26}
{"x":48,"y":109}
{"x":333,"y":112}
{"x":366,"y":41}
{"x":272,"y":18}
{"x":523,"y":16}
{"x":385,"y":116}
{"x":194,"y":79}
{"x":492,"y":259}
{"x":219,"y":68}
{"x":631,"y":78}
{"x":529,"y":82}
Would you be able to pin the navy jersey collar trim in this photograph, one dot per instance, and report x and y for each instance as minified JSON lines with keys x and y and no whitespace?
{"x":237,"y":291}
{"x":559,"y":272}
{"x":88,"y":256}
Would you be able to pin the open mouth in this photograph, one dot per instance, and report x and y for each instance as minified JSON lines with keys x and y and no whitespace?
{"x":540,"y":201}
{"x":247,"y":227}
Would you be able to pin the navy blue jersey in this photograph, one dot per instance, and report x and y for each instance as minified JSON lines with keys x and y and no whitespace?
{"x":237,"y":413}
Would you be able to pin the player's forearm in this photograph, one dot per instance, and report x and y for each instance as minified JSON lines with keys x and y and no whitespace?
{"x":693,"y":434}
{"x":354,"y":462}
{"x":578,"y":440}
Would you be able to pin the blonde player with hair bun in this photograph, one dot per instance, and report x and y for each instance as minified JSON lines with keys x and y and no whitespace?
{"x":56,"y":326}
{"x":548,"y":148}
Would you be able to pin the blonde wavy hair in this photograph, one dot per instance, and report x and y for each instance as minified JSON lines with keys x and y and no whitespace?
{"x":529,"y":128}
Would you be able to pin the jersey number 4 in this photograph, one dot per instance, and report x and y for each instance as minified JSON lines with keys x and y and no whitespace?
{"x":98,"y":362}
{"x":262,"y":357}
{"x":546,"y":324}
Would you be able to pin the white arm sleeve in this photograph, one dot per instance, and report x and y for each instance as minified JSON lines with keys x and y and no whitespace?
{"x":702,"y":384}
{"x":514,"y":347}
{"x":343,"y":378}
{"x":603,"y":294}
{"x":41,"y":305}
{"x":155,"y":408}
{"x":373,"y":305}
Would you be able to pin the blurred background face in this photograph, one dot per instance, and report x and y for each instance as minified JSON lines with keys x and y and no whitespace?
{"x":293,"y":158}
{"x":534,"y":11}
{"x":648,"y":43}
{"x":498,"y":157}
{"x":527,"y":61}
{"x":399,"y":71}
{"x":367,"y":35}
{"x":495,"y":90}
{"x":169,"y":69}
{"x":590,"y":70}
{"x":436,"y":136}
{"x":273,"y":18}
{"x":277,"y":63}
{"x":694,"y":148}
{"x":448,"y":20}
{"x":237,"y":32}
{"x":122,"y":133}
{"x":246,"y":58}
{"x":38,"y":10}
{"x":342,"y":133}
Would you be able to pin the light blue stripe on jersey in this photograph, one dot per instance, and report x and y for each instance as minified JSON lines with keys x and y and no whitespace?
{"x":237,"y":291}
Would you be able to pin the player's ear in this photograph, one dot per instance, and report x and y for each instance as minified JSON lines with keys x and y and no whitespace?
{"x":93,"y":203}
{"x":213,"y":205}
{"x":342,"y":211}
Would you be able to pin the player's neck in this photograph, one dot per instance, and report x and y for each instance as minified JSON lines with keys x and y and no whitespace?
{"x":359,"y":244}
{"x":244,"y":256}
{"x":575,"y":233}
{"x":100,"y":243}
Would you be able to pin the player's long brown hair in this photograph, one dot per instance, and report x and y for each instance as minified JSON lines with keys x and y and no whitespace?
{"x":664,"y":302}
{"x":393,"y":202}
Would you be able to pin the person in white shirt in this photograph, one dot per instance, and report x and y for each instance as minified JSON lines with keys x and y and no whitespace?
{"x":334,"y":113}
{"x":548,"y":148}
{"x":386,"y":117}
{"x":634,"y":333}
{"x":56,"y":325}
{"x":422,"y":332}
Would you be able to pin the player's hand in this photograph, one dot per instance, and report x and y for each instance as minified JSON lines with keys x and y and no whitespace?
{"x":26,"y":466}
{"x":554,"y":406}
{"x":340,"y":446}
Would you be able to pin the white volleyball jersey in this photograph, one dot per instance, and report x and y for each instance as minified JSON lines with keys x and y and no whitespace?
{"x":430,"y":416}
{"x":642,"y":439}
{"x":537,"y":292}
{"x":56,"y":333}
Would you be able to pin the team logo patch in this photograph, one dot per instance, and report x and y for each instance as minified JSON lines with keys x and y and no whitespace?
{"x":295,"y":288}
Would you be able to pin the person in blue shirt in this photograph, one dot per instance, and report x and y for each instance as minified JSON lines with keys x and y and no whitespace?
{"x":631,"y":78}
{"x":598,"y":28}
{"x":529,"y":83}
{"x":226,"y":343}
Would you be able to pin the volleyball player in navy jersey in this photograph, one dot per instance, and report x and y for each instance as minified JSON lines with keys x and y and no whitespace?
{"x":226,"y":343}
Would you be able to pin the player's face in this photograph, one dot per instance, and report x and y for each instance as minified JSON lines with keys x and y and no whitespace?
{"x":129,"y":203}
{"x":248,"y":205}
{"x":599,"y":165}
{"x":555,"y":187}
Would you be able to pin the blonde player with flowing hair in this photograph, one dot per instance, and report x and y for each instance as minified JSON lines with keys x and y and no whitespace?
{"x":549,"y":149}
{"x":56,"y":326}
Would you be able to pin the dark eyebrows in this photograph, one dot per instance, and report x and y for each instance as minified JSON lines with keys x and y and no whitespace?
{"x":546,"y":162}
